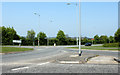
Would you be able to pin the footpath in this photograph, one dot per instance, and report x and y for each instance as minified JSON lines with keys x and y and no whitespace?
{"x":103,"y":60}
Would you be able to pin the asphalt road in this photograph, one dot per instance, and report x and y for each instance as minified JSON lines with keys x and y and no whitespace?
{"x":40,"y":61}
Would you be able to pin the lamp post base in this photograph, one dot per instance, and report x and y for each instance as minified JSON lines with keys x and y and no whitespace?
{"x":80,"y":53}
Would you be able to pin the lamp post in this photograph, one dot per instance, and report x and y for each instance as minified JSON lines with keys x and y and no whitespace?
{"x":39,"y":23}
{"x":77,"y":41}
{"x":47,"y":41}
{"x":80,"y":52}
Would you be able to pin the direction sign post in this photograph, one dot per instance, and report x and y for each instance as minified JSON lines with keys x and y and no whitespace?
{"x":17,"y":41}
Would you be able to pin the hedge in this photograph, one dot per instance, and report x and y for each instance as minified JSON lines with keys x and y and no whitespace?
{"x":111,"y":45}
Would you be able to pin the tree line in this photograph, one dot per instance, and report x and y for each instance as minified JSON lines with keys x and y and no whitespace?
{"x":111,"y":39}
{"x":9,"y":34}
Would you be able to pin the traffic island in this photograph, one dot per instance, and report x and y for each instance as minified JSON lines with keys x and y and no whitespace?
{"x":117,"y":59}
{"x":74,"y":58}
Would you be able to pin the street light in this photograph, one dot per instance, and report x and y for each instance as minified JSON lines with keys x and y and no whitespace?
{"x":80,"y":52}
{"x":47,"y":38}
{"x":77,"y":41}
{"x":39,"y":23}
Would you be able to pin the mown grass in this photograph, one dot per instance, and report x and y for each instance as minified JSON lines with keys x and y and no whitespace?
{"x":14,"y":49}
{"x":96,"y":48}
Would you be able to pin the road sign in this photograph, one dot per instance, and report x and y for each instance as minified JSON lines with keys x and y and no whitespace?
{"x":17,"y":41}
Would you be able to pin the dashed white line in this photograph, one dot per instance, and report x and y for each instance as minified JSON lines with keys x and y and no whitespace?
{"x":43,"y":63}
{"x":20,"y":68}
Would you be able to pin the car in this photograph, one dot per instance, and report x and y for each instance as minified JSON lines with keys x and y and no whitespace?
{"x":88,"y":44}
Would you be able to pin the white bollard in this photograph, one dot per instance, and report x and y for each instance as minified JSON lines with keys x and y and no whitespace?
{"x":54,"y":44}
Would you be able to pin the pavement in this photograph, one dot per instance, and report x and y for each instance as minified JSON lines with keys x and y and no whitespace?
{"x":102,"y":60}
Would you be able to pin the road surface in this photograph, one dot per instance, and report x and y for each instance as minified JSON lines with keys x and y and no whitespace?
{"x":40,"y":61}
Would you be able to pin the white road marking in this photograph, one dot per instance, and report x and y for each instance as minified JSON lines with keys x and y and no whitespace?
{"x":20,"y":68}
{"x":15,"y":63}
{"x":65,"y":51}
{"x":43,"y":63}
{"x":74,"y":55}
{"x":69,"y":62}
{"x":39,"y":49}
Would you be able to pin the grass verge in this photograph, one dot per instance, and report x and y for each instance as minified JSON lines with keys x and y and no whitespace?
{"x":14,"y":49}
{"x":97,"y":48}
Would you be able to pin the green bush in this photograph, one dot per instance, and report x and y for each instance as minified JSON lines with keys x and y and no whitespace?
{"x":111,"y":45}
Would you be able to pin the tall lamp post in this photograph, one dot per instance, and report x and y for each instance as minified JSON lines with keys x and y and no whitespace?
{"x":80,"y":52}
{"x":39,"y":23}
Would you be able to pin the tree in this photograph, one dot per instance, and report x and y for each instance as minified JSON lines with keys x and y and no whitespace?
{"x":104,"y":39}
{"x":111,"y":39}
{"x":4,"y":41}
{"x":85,"y":40}
{"x":8,"y":35}
{"x":70,"y":41}
{"x":97,"y":39}
{"x":42,"y":37}
{"x":61,"y":38}
{"x":24,"y":41}
{"x":0,"y":35}
{"x":36,"y":41}
{"x":31,"y":35}
{"x":52,"y":41}
{"x":117,"y":35}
